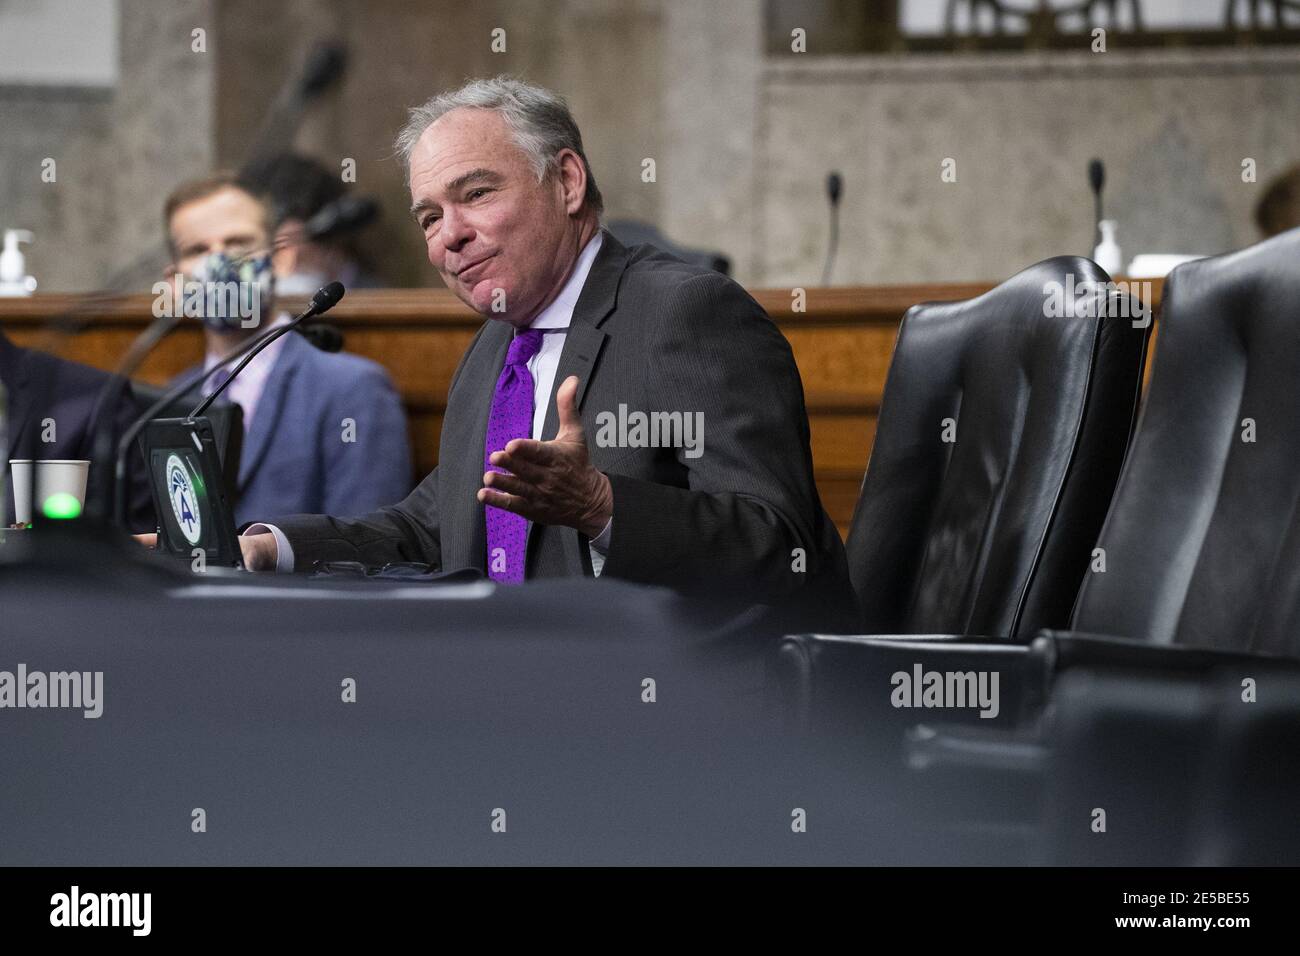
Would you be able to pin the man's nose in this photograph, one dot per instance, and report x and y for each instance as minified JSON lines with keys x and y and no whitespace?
{"x":456,"y":230}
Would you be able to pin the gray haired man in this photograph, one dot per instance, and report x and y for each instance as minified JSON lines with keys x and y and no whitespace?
{"x":580,"y":328}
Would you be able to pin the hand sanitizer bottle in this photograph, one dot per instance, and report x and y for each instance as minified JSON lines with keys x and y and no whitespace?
{"x":14,"y":279}
{"x":1107,"y":254}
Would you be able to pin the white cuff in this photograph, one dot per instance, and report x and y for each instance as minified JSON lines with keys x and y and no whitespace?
{"x":598,"y":547}
{"x":601,"y":541}
{"x":283,"y":549}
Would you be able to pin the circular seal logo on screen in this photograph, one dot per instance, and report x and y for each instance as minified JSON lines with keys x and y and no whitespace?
{"x":180,"y":488}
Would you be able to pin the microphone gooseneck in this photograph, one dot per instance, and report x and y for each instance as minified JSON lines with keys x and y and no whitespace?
{"x":112,"y":390}
{"x":324,"y":300}
{"x":322,"y":335}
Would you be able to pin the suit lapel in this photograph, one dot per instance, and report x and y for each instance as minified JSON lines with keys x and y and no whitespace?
{"x":582,"y":346}
{"x":584,"y":340}
{"x":270,"y":405}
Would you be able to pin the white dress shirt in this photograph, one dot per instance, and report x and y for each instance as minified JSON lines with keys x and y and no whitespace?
{"x":541,"y":366}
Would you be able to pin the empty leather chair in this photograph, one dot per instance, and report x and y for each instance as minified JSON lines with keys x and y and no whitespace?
{"x":1247,"y":794}
{"x":1201,"y":546}
{"x":986,"y":527}
{"x":1003,"y":426}
{"x":633,"y":232}
{"x":1201,"y":541}
{"x":1202,"y":555}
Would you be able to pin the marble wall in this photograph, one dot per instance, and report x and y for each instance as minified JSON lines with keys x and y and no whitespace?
{"x":741,"y":139}
{"x":1172,"y":127}
{"x":116,"y":151}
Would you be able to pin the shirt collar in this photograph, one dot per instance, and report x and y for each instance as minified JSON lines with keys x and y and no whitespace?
{"x":210,"y":359}
{"x":559,"y":313}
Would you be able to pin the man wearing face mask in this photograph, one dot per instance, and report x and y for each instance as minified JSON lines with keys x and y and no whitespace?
{"x":322,"y":432}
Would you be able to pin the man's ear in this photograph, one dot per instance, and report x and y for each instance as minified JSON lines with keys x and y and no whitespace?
{"x":573,"y":180}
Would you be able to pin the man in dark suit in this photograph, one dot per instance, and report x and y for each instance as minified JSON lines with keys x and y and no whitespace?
{"x":620,"y":413}
{"x":52,"y":414}
{"x":323,"y":432}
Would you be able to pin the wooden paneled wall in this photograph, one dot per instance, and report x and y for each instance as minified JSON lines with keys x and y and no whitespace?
{"x":842,"y":340}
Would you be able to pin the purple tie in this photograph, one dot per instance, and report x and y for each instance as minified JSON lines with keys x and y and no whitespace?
{"x":512,"y":417}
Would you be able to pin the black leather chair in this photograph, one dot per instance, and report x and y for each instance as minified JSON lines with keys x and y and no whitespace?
{"x":1202,"y":540}
{"x":633,"y":232}
{"x":1186,"y":771}
{"x":1246,"y":798}
{"x":1202,"y":579}
{"x":973,"y":540}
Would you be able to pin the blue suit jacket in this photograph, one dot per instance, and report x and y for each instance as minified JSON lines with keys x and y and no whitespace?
{"x":295,"y":458}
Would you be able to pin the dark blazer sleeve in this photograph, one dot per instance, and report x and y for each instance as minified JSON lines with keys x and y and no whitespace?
{"x":406,"y":531}
{"x":375,"y":469}
{"x":748,"y":519}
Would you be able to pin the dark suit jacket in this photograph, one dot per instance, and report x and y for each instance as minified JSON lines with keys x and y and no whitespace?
{"x":42,"y":386}
{"x":654,"y":334}
{"x":294,"y":458}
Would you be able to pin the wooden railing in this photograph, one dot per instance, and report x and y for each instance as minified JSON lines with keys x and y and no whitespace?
{"x":843,"y":341}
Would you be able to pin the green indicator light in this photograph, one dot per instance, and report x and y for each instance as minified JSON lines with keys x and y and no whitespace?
{"x":62,"y":506}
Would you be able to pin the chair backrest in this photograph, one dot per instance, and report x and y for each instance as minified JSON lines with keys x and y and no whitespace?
{"x":633,"y":232}
{"x":1002,"y":429}
{"x":1201,"y":544}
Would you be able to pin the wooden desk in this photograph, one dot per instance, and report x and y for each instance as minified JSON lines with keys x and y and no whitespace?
{"x":842,"y":342}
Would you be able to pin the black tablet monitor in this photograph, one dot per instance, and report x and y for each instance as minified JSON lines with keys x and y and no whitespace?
{"x":190,"y":494}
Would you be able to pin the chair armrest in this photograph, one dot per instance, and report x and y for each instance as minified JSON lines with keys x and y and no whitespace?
{"x":848,"y":679}
{"x":969,"y":748}
{"x":1063,"y":650}
{"x":979,"y":639}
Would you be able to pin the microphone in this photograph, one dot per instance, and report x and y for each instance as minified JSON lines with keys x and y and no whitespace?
{"x":325,"y":65}
{"x":834,"y":186}
{"x":346,"y":214}
{"x":326,"y":337}
{"x":1097,"y":179}
{"x":324,"y":300}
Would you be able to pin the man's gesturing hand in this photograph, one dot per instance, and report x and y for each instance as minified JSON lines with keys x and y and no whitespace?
{"x":552,"y":482}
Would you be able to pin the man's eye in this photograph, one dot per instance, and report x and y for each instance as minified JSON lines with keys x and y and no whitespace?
{"x":475,"y":193}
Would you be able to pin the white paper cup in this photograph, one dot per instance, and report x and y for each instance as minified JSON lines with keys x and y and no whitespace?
{"x":53,"y":477}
